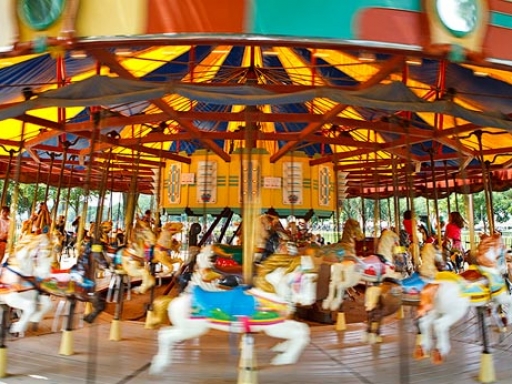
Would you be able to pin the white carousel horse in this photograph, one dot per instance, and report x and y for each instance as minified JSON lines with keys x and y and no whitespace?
{"x":389,"y":247}
{"x":19,"y":280}
{"x":204,"y":306}
{"x":448,"y":298}
{"x":354,"y":270}
{"x":136,"y":256}
{"x":167,"y":248}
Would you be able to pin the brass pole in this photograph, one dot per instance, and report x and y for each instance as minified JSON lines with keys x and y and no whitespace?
{"x":7,"y":177}
{"x":447,"y":181}
{"x":95,"y":115}
{"x":14,"y":202}
{"x":66,"y":145}
{"x":436,"y":205}
{"x":36,"y":191}
{"x":486,"y":183}
{"x":68,"y":193}
{"x":132,"y":197}
{"x":49,"y":178}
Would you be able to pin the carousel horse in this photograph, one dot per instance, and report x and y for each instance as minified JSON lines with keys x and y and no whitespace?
{"x":352,"y":232}
{"x":269,"y":234}
{"x":206,"y":305}
{"x":135,"y":257}
{"x":395,"y":254}
{"x":386,"y":298}
{"x":20,"y":276}
{"x":454,"y":258}
{"x":353,"y":270}
{"x":78,"y":283}
{"x":167,"y":248}
{"x":448,"y":298}
{"x":334,"y":253}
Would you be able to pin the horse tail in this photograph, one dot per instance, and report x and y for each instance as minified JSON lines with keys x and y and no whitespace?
{"x":427,"y":297}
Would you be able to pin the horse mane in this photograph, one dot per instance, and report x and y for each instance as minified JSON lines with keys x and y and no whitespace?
{"x":273,"y":262}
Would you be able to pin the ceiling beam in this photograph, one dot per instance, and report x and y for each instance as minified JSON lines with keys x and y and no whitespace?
{"x":110,"y":61}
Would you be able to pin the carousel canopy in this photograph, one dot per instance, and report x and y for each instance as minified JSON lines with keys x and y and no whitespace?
{"x":390,"y":111}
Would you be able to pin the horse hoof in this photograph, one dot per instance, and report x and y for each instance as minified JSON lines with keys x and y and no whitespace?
{"x":280,"y":347}
{"x":16,"y":329}
{"x":282,"y":360}
{"x":419,"y":353}
{"x":365,"y":338}
{"x":372,"y":338}
{"x":437,"y":358}
{"x":157,"y":365}
{"x":378,"y":339}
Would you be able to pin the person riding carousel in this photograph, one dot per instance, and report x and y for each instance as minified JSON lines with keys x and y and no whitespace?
{"x":30,"y":225}
{"x":43,"y":222}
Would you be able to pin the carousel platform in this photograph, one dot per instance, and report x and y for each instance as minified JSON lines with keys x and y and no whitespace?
{"x":332,"y":357}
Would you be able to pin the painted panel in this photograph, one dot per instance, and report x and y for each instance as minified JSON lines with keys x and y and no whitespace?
{"x":324,"y":185}
{"x":206,"y":182}
{"x":112,"y":17}
{"x":174,"y":184}
{"x":292,"y":183}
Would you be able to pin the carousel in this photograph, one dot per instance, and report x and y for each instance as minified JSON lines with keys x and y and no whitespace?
{"x":267,"y":154}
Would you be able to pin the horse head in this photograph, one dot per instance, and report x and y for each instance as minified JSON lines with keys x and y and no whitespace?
{"x":388,"y":243}
{"x":33,"y":256}
{"x":432,"y":261}
{"x":204,"y":275}
{"x":490,"y":249}
{"x":353,"y":229}
{"x":104,"y":230}
{"x":352,"y":232}
{"x":270,"y":234}
{"x":166,"y":239}
{"x":142,"y":235}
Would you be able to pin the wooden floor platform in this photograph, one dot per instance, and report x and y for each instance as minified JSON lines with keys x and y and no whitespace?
{"x":332,"y":357}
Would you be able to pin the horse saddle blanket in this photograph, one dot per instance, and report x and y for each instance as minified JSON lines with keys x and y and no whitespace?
{"x":234,"y":252}
{"x":374,"y":268}
{"x":231,"y":306}
{"x":63,"y":284}
{"x":477,"y":283}
{"x":412,"y":286}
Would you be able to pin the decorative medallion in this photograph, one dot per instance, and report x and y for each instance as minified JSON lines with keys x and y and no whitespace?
{"x":459,"y":17}
{"x":456,"y":28}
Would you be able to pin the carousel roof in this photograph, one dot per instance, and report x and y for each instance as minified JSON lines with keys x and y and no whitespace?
{"x":391,"y":116}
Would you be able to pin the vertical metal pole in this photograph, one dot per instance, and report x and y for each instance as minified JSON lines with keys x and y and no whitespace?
{"x":436,"y":206}
{"x":7,"y":178}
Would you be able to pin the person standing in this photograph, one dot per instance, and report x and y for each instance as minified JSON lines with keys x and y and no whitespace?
{"x":410,"y":226}
{"x":5,"y":223}
{"x":453,"y":230}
